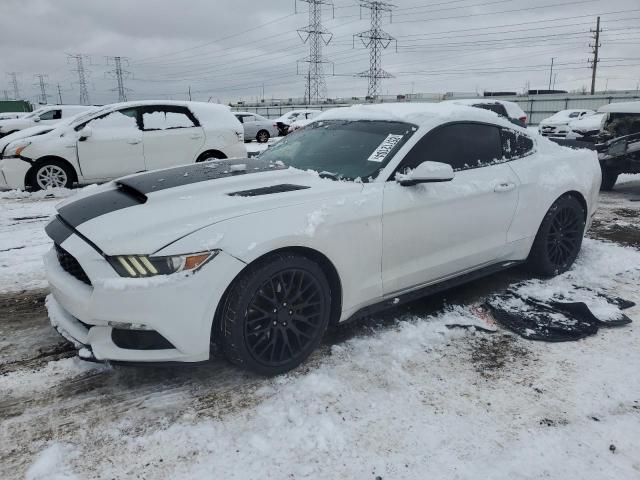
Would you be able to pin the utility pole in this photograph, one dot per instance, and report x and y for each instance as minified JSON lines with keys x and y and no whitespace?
{"x":6,"y":95}
{"x":14,"y":84}
{"x":317,"y":36}
{"x":43,"y":98}
{"x":376,"y":40}
{"x":551,"y":72}
{"x":189,"y":92}
{"x":119,"y":74}
{"x":79,"y":58}
{"x":596,"y":48}
{"x":59,"y":95}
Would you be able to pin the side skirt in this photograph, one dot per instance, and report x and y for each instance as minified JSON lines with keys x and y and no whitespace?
{"x":403,"y":298}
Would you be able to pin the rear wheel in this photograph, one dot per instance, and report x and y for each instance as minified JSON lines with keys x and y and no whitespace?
{"x":275,"y":314}
{"x":50,"y":174}
{"x":609,"y":179}
{"x":262,"y":136}
{"x":559,"y":238}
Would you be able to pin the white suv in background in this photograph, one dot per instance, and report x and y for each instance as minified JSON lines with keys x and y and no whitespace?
{"x":48,"y":115}
{"x":122,"y":139}
{"x":257,"y":127}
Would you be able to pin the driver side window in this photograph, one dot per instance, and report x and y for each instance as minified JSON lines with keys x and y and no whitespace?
{"x":51,"y":115}
{"x":461,"y":145}
{"x":121,"y":120}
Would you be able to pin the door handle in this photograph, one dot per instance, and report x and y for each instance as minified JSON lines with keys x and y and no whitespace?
{"x":195,"y":137}
{"x":133,"y":141}
{"x":504,"y":187}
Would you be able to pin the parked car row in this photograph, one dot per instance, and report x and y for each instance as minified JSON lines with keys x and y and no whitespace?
{"x":364,"y":208}
{"x":48,"y":115}
{"x":117,"y":140}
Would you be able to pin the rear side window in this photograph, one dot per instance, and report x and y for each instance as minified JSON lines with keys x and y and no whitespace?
{"x":493,"y":107}
{"x":169,"y":117}
{"x":461,"y":145}
{"x":515,"y":144}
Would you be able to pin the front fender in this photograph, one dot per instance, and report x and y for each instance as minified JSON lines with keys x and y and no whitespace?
{"x":346,"y":230}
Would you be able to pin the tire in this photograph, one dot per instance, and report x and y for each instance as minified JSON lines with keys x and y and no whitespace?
{"x":609,"y":179}
{"x":559,"y":238}
{"x":50,"y":174}
{"x":209,"y":157}
{"x":262,"y":136}
{"x":275,"y":314}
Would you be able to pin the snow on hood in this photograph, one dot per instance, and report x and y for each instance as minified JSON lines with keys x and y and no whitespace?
{"x":167,"y":214}
{"x":22,"y":134}
{"x":590,"y":122}
{"x":561,"y":118}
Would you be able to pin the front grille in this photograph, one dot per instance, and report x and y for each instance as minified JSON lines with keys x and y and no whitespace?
{"x":71,"y":265}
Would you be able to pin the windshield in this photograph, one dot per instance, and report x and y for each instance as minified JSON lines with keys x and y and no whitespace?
{"x":36,"y":112}
{"x":81,"y":117}
{"x":574,"y":114}
{"x":341,"y":149}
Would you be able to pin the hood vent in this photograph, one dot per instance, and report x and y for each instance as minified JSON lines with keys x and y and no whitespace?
{"x":285,"y":187}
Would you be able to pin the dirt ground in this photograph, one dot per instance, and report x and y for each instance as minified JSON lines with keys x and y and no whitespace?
{"x":155,"y":396}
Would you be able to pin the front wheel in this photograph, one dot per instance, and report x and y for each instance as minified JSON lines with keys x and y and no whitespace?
{"x":50,"y":174}
{"x":262,"y":136}
{"x":559,"y":238}
{"x":275,"y":314}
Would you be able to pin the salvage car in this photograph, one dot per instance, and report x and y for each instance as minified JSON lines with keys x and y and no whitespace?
{"x":121,"y":139}
{"x":619,"y":141}
{"x":587,"y":129}
{"x":257,"y":127}
{"x":48,"y":115}
{"x":366,"y":208}
{"x":557,"y":125}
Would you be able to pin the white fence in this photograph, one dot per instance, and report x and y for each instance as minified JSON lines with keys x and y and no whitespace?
{"x":537,"y":107}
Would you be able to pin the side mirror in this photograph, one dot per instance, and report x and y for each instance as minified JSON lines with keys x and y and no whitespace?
{"x":85,"y":133}
{"x":426,"y":172}
{"x":36,"y":119}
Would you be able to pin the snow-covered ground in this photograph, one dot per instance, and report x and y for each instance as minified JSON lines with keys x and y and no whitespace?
{"x":395,"y":396}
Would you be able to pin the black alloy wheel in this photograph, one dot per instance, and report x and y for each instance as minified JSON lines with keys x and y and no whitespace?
{"x":275,"y":314}
{"x":262,"y":136}
{"x":559,"y":238}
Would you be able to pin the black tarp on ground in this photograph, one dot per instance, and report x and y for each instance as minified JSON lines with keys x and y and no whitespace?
{"x":558,"y":319}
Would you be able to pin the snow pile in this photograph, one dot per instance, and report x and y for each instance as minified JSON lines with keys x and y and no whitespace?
{"x":314,"y":220}
{"x":50,"y":464}
{"x":57,"y":192}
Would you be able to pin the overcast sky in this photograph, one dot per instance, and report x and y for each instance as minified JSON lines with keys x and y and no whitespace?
{"x":226,"y":50}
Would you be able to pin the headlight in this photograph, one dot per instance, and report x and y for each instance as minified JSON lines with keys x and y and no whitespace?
{"x":15,"y":149}
{"x":136,"y":266}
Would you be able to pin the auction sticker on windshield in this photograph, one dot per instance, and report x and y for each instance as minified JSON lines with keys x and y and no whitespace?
{"x":380,"y":153}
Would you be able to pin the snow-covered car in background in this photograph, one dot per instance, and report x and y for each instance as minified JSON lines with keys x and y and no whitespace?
{"x":256,"y":127}
{"x":12,"y":115}
{"x":557,"y":125}
{"x":365,"y":208}
{"x":586,"y":129}
{"x":298,"y":124}
{"x":619,"y":150}
{"x":48,"y":115}
{"x":288,"y":118}
{"x":122,"y":139}
{"x":503,"y":108}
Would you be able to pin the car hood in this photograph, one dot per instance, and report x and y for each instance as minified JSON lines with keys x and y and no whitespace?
{"x":143,"y":213}
{"x":23,"y":134}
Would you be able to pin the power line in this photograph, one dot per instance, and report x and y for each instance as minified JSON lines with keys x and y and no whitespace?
{"x":82,"y":76}
{"x":317,"y":36}
{"x":119,"y":74}
{"x":594,"y":62}
{"x":14,"y":84}
{"x":376,"y":40}
{"x":43,"y":87}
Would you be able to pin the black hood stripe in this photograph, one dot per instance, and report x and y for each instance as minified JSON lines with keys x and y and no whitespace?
{"x":133,"y":190}
{"x":87,"y":208}
{"x":146,"y":183}
{"x":58,"y":231}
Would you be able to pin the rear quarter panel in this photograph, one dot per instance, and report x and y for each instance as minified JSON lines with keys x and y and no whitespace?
{"x":546,"y":175}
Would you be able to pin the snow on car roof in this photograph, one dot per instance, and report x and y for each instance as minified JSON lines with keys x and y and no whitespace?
{"x":621,"y":107}
{"x":513,"y":109}
{"x":421,"y":114}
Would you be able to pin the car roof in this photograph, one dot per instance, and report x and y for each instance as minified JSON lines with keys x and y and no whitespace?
{"x":426,"y":115}
{"x":621,"y":107}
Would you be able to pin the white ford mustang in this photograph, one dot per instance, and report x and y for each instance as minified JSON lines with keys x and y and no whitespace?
{"x":367,"y":207}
